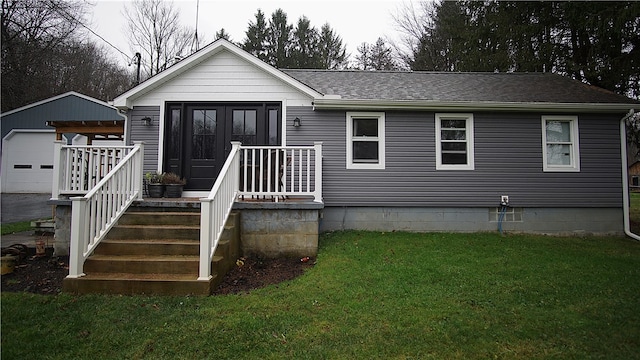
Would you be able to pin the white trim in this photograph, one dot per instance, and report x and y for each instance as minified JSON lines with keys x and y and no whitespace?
{"x":161,"y":123}
{"x":283,"y":120}
{"x":380,"y":139}
{"x":469,"y":134}
{"x":575,"y":144}
{"x":12,"y":132}
{"x":126,"y":100}
{"x":327,"y":103}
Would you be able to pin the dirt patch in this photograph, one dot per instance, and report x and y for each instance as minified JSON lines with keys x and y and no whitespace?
{"x":37,"y":274}
{"x":254,"y":273}
{"x":44,"y":274}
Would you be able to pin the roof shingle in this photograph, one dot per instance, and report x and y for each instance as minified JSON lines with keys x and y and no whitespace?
{"x":455,"y":86}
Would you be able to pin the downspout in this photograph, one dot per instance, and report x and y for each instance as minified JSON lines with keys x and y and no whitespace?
{"x":625,"y":176}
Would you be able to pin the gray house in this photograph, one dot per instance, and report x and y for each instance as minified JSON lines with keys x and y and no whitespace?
{"x":28,"y":134}
{"x":416,"y":151}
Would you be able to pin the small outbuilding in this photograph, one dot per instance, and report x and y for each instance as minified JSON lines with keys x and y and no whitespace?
{"x":28,"y":134}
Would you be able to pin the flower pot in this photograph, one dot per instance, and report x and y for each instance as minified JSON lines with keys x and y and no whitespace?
{"x":155,"y":190}
{"x":173,"y":190}
{"x":8,"y":264}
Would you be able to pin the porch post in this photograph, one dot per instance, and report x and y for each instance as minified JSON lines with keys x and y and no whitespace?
{"x":317,"y":194}
{"x":57,"y":171}
{"x":206,"y":235}
{"x":138,"y":170}
{"x":78,"y":237}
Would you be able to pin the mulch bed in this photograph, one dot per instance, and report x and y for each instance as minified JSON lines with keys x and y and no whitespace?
{"x":44,"y":274}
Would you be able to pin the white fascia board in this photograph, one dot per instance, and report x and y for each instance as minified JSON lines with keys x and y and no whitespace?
{"x":347,"y":104}
{"x":125,"y":100}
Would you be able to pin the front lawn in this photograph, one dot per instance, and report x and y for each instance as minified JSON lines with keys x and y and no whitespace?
{"x":371,"y":295}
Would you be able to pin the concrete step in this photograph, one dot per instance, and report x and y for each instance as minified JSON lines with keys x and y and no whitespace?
{"x":151,"y":252}
{"x":142,"y":264}
{"x":140,"y":284}
{"x":185,"y":232}
{"x":148,"y":247}
{"x":160,"y":218}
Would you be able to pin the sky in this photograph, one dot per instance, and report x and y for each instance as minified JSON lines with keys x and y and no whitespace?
{"x":356,"y":21}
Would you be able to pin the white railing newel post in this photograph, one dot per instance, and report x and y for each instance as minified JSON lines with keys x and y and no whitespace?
{"x":318,"y":171}
{"x":57,"y":168}
{"x":138,"y":167}
{"x":205,"y":240}
{"x":78,"y":237}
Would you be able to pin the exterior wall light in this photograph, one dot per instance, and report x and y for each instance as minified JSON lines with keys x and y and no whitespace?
{"x":146,"y":121}
{"x":296,"y":122}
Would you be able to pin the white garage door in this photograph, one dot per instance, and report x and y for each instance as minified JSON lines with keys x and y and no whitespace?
{"x":27,"y":162}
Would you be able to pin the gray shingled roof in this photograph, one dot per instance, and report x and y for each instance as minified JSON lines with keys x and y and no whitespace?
{"x":451,"y":86}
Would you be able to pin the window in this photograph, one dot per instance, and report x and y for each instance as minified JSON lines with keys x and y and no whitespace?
{"x":454,"y":142}
{"x":560,"y":148}
{"x":365,"y":141}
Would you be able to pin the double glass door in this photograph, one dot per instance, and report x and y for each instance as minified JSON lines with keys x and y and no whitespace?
{"x":198,"y":136}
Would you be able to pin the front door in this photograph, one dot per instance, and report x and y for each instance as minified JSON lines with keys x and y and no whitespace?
{"x":198,"y":136}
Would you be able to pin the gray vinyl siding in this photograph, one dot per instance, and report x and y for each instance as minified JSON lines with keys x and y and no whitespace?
{"x":508,"y":161}
{"x":148,"y":134}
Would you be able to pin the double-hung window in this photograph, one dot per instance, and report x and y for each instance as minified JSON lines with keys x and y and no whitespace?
{"x":560,"y":145}
{"x":454,"y":142}
{"x":365,"y":140}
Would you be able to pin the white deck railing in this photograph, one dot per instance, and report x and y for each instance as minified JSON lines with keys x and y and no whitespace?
{"x":81,"y":168}
{"x":215,"y":210}
{"x":261,"y":171}
{"x":93,"y":215}
{"x":275,"y":171}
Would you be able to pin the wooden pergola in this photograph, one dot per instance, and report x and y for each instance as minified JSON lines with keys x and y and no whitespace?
{"x":93,"y":130}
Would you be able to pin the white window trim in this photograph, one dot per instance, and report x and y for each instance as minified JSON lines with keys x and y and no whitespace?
{"x":575,"y":145}
{"x":380,"y":139}
{"x":470,"y":165}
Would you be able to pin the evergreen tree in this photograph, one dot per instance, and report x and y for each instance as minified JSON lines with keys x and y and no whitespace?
{"x":304,"y":49}
{"x":381,"y":56}
{"x":363,"y":58}
{"x":279,"y":40}
{"x":332,"y":54}
{"x":375,"y":57}
{"x":223,"y":34}
{"x":256,"y":41}
{"x":595,"y":42}
{"x":282,"y":46}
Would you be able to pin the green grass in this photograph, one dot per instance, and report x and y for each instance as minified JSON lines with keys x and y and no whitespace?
{"x":15,"y":227}
{"x":370,"y":296}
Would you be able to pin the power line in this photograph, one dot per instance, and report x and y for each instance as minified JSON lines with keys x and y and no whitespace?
{"x":71,"y":18}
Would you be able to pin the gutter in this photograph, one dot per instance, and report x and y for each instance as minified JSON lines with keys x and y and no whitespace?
{"x":625,"y":177}
{"x":331,"y":103}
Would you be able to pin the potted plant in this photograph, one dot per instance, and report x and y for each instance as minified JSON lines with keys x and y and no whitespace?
{"x":173,"y":184}
{"x":155,"y":187}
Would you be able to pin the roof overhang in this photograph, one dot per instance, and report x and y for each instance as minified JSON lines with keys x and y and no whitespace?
{"x":430,"y":105}
{"x":103,"y":130}
{"x":126,"y":100}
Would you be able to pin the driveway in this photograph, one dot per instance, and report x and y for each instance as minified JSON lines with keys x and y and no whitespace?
{"x":24,"y":207}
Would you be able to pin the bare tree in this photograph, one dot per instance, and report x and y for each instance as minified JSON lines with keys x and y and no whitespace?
{"x":154,"y":30}
{"x":412,"y":22}
{"x":43,"y":54}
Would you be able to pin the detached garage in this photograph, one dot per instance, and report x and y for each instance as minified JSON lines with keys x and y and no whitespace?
{"x":28,"y":134}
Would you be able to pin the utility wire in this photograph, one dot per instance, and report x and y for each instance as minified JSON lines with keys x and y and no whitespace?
{"x":71,"y":18}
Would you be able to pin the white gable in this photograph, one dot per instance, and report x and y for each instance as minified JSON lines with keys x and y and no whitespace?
{"x":221,"y":72}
